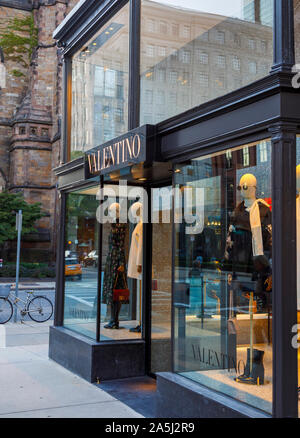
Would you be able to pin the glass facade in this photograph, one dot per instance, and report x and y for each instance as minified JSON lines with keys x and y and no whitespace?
{"x":122,"y":263}
{"x":223,"y":273}
{"x":81,"y":261}
{"x":194,"y":51}
{"x":221,"y":300}
{"x":100,"y":86}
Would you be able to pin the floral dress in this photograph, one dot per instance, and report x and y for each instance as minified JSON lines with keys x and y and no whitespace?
{"x":115,"y":258}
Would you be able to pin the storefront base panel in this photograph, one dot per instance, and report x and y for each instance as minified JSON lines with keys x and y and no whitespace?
{"x":178,"y":397}
{"x":96,"y":361}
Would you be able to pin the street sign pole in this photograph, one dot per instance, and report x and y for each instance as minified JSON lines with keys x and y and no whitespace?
{"x":19,"y":229}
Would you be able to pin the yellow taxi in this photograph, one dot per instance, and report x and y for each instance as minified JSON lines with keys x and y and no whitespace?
{"x":73,"y":268}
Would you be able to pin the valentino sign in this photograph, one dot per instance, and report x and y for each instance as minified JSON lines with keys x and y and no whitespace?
{"x":121,"y":152}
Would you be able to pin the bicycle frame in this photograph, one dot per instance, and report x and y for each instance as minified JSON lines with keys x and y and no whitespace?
{"x":15,"y":300}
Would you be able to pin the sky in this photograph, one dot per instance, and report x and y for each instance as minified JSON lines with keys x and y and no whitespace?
{"x":230,"y":8}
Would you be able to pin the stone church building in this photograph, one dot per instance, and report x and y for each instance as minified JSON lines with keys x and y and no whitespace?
{"x":30,"y":121}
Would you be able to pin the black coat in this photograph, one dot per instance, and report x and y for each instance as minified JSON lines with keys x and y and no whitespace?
{"x":239,"y":240}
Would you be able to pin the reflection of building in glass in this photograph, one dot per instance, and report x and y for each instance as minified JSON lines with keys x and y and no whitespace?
{"x":100,"y":87}
{"x":190,"y":57}
{"x":259,"y":11}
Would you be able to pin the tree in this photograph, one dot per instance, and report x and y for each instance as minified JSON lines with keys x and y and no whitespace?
{"x":10,"y":203}
{"x":18,"y":41}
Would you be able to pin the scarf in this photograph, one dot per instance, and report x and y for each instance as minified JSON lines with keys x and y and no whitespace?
{"x":255,"y":224}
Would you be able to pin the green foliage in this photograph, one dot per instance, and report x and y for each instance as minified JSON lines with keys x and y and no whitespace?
{"x":28,"y":270}
{"x":9,"y":204}
{"x":76,"y":154}
{"x":18,"y":41}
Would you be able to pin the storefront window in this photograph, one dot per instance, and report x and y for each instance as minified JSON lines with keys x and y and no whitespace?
{"x":100,"y":86}
{"x":223,"y":273}
{"x":206,"y":49}
{"x":121,"y":263}
{"x":81,"y":261}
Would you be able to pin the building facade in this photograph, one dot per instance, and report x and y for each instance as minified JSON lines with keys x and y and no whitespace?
{"x":30,"y":120}
{"x":180,"y":157}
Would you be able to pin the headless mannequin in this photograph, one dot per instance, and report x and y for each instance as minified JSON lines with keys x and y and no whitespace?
{"x":136,"y":246}
{"x":135,"y":259}
{"x":115,"y":306}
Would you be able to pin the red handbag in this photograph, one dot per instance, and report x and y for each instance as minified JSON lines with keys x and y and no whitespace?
{"x":121,"y":295}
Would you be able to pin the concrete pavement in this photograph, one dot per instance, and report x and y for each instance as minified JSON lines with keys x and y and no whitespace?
{"x":33,"y":386}
{"x":31,"y":285}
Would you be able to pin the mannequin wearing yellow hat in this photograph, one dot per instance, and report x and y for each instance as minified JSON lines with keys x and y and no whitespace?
{"x":249,"y":249}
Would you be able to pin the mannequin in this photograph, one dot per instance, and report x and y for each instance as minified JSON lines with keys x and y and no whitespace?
{"x":135,"y":259}
{"x":115,"y":265}
{"x":298,"y":233}
{"x":248,"y":248}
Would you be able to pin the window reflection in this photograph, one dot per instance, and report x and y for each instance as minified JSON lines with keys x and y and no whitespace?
{"x":223,"y":274}
{"x":192,"y":41}
{"x":81,"y":261}
{"x":100,"y":86}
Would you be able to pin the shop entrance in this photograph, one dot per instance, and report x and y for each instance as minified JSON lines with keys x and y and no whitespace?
{"x":161,"y":287}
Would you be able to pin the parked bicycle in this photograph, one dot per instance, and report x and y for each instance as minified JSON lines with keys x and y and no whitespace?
{"x":39,"y":308}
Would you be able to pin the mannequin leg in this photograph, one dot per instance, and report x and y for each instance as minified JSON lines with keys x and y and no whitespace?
{"x":115,"y":311}
{"x":117,"y":308}
{"x":111,"y":309}
{"x":108,"y":316}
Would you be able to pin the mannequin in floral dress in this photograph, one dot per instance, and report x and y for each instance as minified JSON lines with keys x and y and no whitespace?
{"x":115,"y":267}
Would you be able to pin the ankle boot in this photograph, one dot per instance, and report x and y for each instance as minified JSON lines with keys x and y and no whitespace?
{"x":257,"y":375}
{"x":247,"y":366}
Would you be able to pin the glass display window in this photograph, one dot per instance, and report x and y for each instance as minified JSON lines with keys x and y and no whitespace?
{"x":223,"y":273}
{"x":194,"y":33}
{"x":99,"y":103}
{"x":121,"y":267}
{"x":81,"y":258}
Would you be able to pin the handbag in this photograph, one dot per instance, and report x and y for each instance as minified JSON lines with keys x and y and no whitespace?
{"x":121,"y":295}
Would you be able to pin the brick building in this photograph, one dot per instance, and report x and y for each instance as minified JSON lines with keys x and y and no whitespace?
{"x":30,"y":121}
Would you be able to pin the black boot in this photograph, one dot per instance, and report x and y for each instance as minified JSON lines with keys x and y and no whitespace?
{"x":257,"y":375}
{"x":247,"y":367}
{"x":114,"y":322}
{"x":112,"y":325}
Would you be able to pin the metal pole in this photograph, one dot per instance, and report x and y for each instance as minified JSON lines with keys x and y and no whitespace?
{"x":19,"y":228}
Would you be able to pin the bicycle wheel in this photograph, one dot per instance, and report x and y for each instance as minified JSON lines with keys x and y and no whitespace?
{"x":6,"y":310}
{"x":40,"y":309}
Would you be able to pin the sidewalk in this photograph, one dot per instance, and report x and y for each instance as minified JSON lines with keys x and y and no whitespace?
{"x":36,"y":387}
{"x":34,"y":285}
